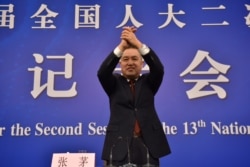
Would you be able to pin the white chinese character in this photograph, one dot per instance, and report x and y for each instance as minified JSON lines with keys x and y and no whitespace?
{"x":89,"y":16}
{"x":200,"y":88}
{"x":129,"y":15}
{"x":44,"y":14}
{"x":248,"y":16}
{"x":221,"y":7}
{"x":51,"y":92}
{"x":171,"y":16}
{"x":7,"y":20}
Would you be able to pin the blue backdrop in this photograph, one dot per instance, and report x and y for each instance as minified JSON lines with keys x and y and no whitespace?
{"x":52,"y":102}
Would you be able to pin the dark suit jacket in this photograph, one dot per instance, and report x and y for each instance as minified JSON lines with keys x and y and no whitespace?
{"x":124,"y":112}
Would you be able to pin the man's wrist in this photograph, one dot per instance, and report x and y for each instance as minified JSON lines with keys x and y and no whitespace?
{"x":144,"y":49}
{"x":118,"y":52}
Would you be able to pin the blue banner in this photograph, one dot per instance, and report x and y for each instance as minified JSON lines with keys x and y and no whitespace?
{"x":52,"y":101}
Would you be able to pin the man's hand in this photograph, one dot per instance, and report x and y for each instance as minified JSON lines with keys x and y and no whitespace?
{"x":128,"y":34}
{"x":123,"y":45}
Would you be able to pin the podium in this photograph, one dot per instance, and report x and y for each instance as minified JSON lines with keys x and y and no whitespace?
{"x":73,"y":160}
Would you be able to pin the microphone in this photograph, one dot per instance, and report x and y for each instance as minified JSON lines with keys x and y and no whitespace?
{"x":128,"y":150}
{"x":111,"y":152}
{"x":129,"y":163}
{"x":148,"y":163}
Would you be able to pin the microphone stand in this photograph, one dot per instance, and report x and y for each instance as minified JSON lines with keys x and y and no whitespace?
{"x":110,"y":156}
{"x":111,"y":152}
{"x":148,"y":163}
{"x":129,"y":163}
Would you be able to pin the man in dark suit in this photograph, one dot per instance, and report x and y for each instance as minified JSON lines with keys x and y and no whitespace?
{"x":134,"y":133}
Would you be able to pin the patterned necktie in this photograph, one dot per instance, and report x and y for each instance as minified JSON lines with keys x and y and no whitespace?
{"x":132,"y":88}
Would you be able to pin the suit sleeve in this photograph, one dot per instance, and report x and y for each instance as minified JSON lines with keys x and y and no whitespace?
{"x":156,"y":68}
{"x":105,"y":72}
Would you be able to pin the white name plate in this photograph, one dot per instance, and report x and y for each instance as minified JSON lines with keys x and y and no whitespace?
{"x":73,"y":160}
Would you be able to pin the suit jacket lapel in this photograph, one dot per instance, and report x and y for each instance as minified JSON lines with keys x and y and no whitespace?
{"x":138,"y":86}
{"x":126,"y":87}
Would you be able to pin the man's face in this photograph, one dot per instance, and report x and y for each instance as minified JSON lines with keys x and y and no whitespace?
{"x":131,"y":63}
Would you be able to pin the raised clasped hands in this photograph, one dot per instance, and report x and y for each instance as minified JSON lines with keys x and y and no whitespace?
{"x":128,"y":38}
